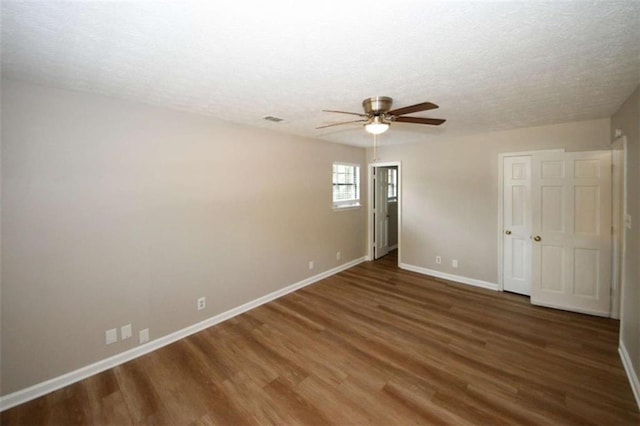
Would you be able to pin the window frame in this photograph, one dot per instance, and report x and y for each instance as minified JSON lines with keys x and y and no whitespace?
{"x":352,"y":203}
{"x":392,"y":187}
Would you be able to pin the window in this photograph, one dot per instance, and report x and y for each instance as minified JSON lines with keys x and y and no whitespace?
{"x":346,"y":185}
{"x":392,"y":192}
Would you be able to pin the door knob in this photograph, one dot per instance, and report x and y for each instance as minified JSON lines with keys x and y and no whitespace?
{"x":537,"y":238}
{"x":507,"y":232}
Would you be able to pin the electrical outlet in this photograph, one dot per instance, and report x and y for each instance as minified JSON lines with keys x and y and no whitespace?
{"x":202,"y":303}
{"x":125,"y":331}
{"x":144,"y":335}
{"x":454,"y":263}
{"x":627,"y":221}
{"x":310,"y":265}
{"x":438,"y":260}
{"x":338,"y":256}
{"x":111,"y":336}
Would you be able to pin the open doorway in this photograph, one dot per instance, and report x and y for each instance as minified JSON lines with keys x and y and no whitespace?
{"x":384,"y":209}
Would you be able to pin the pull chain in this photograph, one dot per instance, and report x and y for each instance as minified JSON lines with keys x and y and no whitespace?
{"x":375,"y":147}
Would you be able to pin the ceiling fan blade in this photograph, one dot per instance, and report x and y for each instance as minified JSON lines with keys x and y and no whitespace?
{"x":424,"y":106}
{"x":420,"y":120}
{"x":345,"y":112}
{"x":341,"y":123}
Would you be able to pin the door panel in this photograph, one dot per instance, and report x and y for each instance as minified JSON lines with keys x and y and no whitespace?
{"x":586,"y":202}
{"x":552,"y":206}
{"x":571,"y":197}
{"x":519,"y":258}
{"x":518,"y":205}
{"x":552,"y":169}
{"x":552,"y":265}
{"x":517,"y":224}
{"x":585,"y":267}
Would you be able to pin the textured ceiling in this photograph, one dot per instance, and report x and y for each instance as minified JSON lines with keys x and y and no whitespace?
{"x":489,"y":65}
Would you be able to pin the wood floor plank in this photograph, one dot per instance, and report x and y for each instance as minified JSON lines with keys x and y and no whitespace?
{"x":414,"y":399}
{"x":283,"y":393}
{"x":371,"y":345}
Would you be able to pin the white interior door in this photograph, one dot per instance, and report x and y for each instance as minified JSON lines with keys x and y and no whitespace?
{"x":571,"y":198}
{"x":516,"y":235}
{"x":381,"y":212}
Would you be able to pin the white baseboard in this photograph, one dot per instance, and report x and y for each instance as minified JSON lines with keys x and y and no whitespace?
{"x":43,"y":388}
{"x":457,"y":278}
{"x":631,"y":374}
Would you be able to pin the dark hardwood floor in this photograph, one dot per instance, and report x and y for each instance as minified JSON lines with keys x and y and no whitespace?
{"x":371,"y":345}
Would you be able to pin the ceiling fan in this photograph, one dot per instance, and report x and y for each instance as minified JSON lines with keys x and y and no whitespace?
{"x":378,"y":115}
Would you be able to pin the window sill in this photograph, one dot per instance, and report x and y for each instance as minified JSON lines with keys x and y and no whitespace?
{"x":343,"y":208}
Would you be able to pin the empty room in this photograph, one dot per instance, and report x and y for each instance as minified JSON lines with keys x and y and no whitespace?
{"x":304,"y":213}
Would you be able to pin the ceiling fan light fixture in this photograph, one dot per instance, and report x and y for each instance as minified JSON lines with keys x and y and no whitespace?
{"x":377,"y":126}
{"x":378,"y":115}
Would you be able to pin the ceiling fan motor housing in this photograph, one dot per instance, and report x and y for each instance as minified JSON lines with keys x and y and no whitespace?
{"x":377,"y":105}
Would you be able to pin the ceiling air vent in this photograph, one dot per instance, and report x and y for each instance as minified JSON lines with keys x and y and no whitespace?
{"x":274,"y":119}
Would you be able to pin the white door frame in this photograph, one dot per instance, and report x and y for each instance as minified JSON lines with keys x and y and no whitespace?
{"x":501,"y":158}
{"x":370,"y":221}
{"x":617,"y":278}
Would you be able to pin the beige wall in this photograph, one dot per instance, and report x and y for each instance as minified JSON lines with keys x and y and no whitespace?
{"x":627,"y":119}
{"x":117,"y":213}
{"x":450,"y":192}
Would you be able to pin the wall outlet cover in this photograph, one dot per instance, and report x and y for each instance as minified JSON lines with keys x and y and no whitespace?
{"x":111,"y":336}
{"x":202,"y":303}
{"x":144,"y":335}
{"x":125,"y":331}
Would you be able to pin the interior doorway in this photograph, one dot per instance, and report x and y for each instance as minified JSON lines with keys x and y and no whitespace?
{"x":384,"y":209}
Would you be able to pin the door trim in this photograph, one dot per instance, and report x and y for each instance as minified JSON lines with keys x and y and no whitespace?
{"x":617,"y":276}
{"x":370,"y":221}
{"x":501,"y":157}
